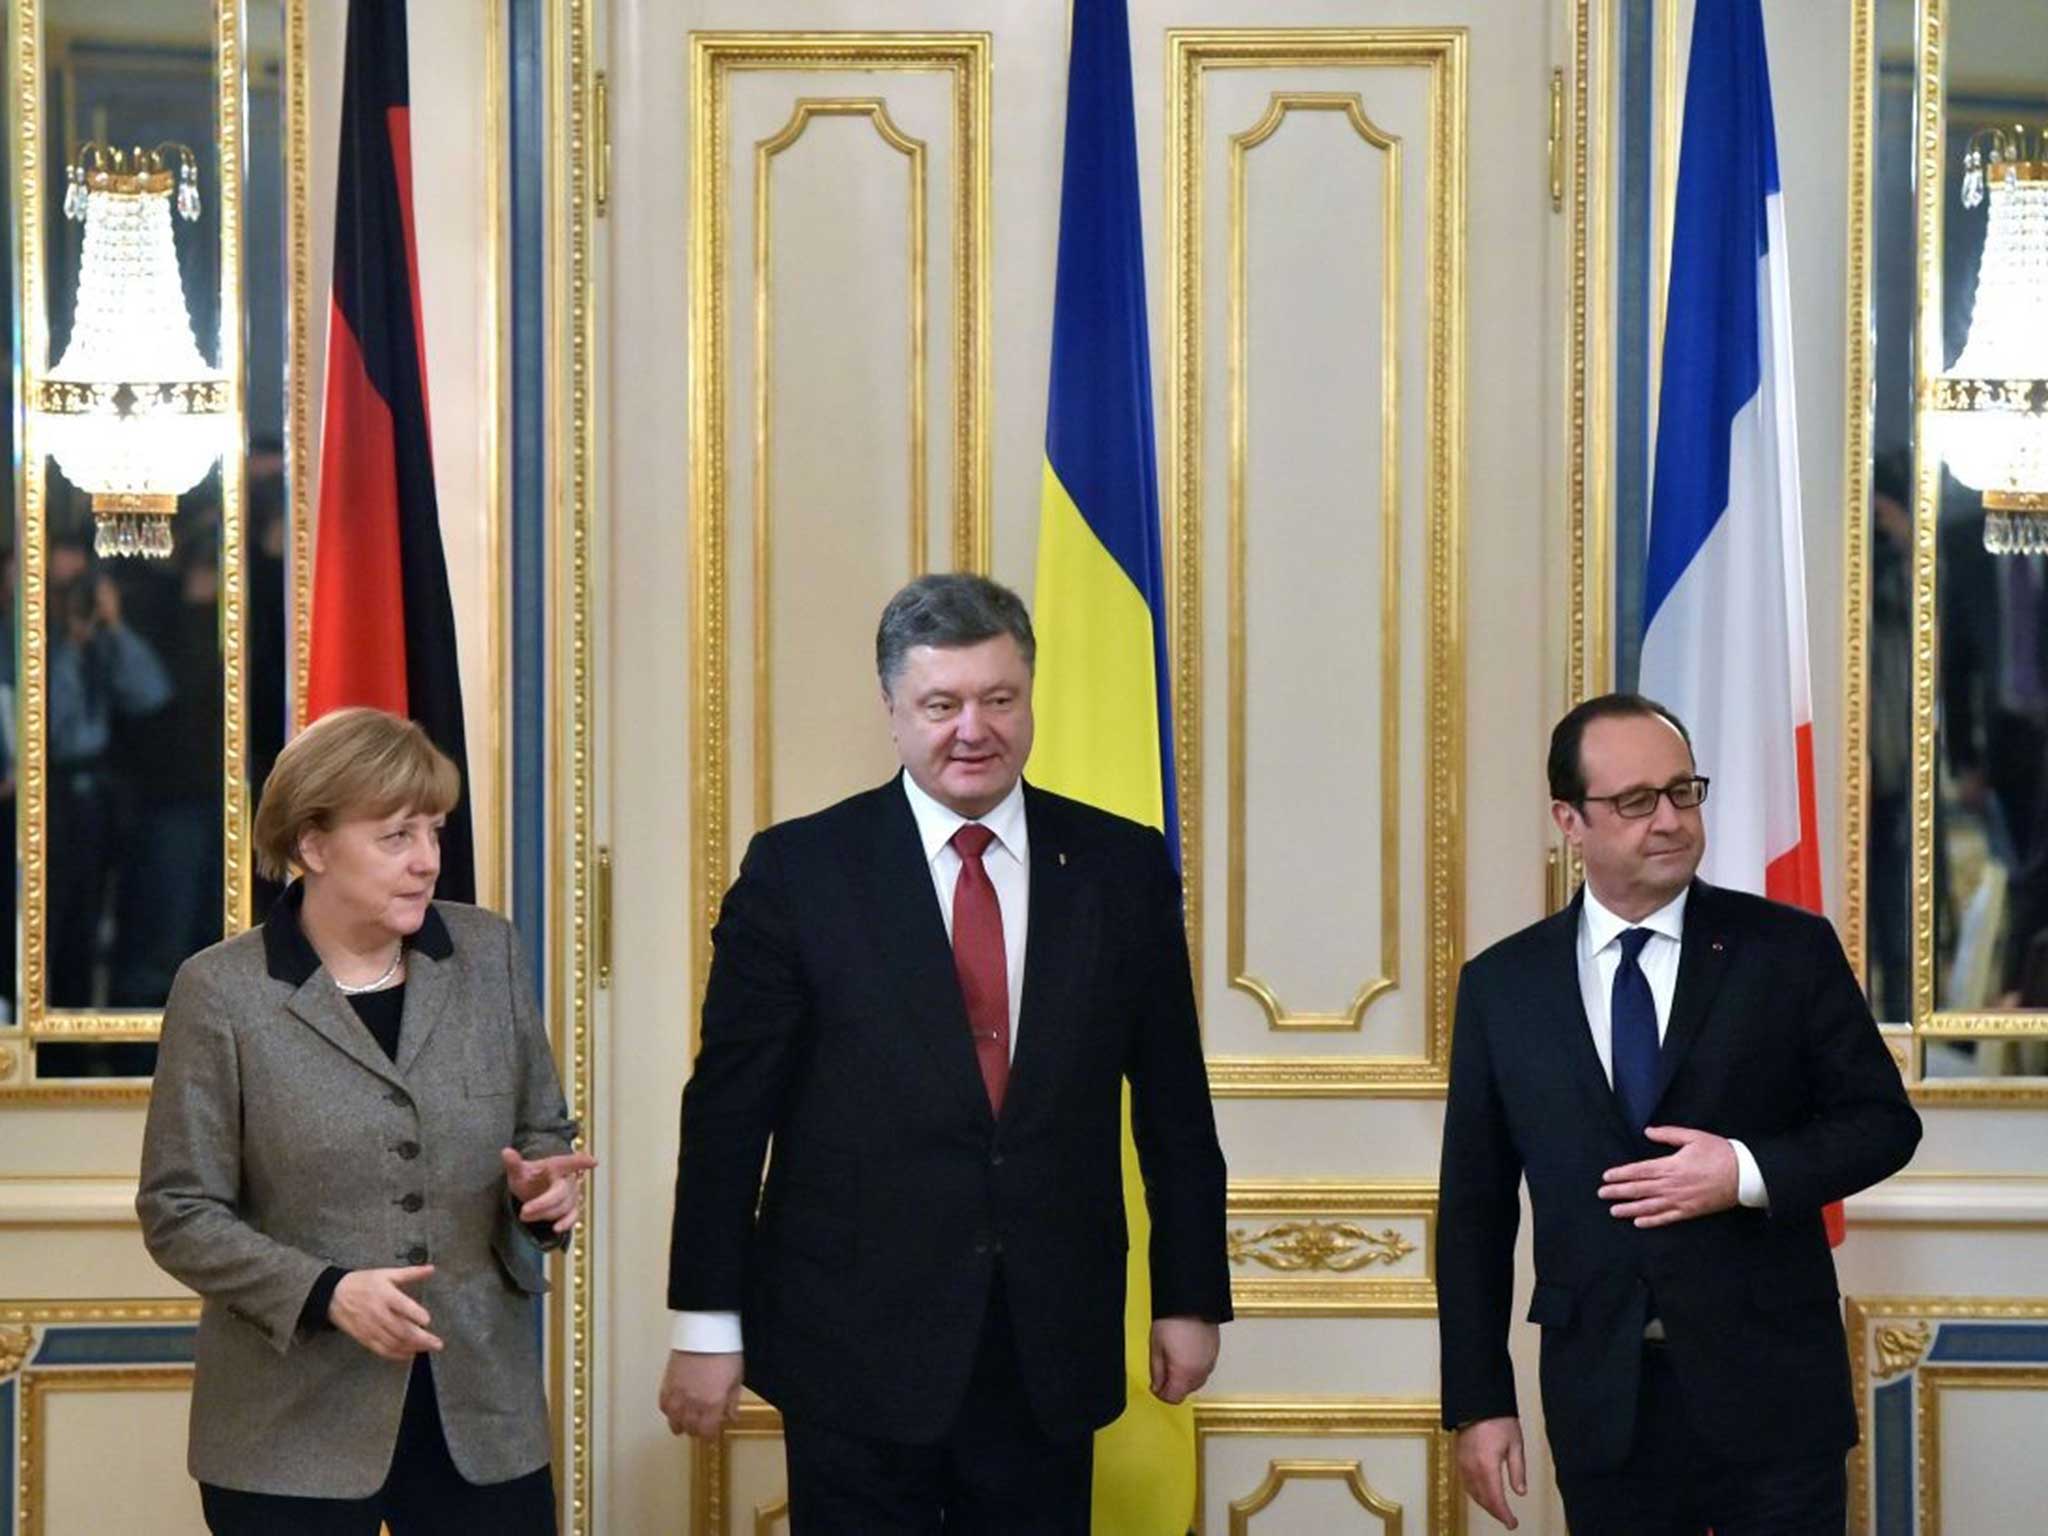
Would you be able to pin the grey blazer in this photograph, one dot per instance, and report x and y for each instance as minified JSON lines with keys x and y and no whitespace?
{"x":281,"y":1141}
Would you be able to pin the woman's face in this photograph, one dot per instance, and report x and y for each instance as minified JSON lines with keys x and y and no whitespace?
{"x":376,"y":869}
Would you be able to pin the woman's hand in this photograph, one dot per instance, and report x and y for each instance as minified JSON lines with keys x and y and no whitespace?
{"x":548,"y":1188}
{"x":370,"y":1308}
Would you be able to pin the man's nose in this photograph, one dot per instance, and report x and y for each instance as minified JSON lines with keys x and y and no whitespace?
{"x":970,"y":723}
{"x":1667,"y":817}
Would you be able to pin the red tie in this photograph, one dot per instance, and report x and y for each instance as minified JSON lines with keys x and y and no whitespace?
{"x":979,"y":959}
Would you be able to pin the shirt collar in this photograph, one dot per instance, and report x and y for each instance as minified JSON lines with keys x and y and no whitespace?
{"x":936,"y":823}
{"x":289,"y":955}
{"x":1601,"y":927}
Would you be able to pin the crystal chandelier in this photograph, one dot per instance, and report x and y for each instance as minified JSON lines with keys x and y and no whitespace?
{"x":132,"y":413}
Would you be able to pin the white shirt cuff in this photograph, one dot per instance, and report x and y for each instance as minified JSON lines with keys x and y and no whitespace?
{"x":705,"y":1333}
{"x":1749,"y":1180}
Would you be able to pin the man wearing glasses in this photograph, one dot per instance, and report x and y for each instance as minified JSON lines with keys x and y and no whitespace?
{"x":1686,"y":1076}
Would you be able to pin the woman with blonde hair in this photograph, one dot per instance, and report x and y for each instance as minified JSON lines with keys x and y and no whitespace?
{"x":357,"y":1154}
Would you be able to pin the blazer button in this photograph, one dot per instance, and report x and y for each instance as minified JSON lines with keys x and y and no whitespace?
{"x":412,"y":1202}
{"x":399,"y":1097}
{"x":407,"y":1150}
{"x":995,"y":1159}
{"x":416,"y":1254}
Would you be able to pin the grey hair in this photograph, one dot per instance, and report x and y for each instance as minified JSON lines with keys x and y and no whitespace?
{"x":949,"y":610}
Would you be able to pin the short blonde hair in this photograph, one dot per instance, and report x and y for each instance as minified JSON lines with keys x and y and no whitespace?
{"x":351,"y":764}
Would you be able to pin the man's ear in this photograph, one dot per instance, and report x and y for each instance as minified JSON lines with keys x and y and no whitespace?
{"x":1569,"y":820}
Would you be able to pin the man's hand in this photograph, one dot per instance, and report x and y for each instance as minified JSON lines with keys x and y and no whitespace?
{"x":370,"y":1308}
{"x":1482,"y":1448}
{"x":1183,"y":1354}
{"x":700,"y":1394}
{"x":1698,"y":1179}
{"x":548,"y":1188}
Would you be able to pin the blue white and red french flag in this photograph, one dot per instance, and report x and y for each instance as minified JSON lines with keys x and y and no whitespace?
{"x":1724,"y":598}
{"x":1724,"y":601}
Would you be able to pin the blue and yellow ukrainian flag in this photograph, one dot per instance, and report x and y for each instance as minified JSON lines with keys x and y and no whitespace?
{"x":1104,"y":725}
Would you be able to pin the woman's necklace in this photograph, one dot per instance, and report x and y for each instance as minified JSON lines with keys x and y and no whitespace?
{"x":390,"y":971}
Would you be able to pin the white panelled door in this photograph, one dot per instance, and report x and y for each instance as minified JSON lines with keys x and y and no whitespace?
{"x":825,"y":282}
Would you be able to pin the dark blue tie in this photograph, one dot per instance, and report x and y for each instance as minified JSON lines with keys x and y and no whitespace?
{"x":1633,"y":1012}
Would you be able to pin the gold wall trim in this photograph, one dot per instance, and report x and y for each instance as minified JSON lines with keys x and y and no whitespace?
{"x":1334,"y":1418}
{"x":966,"y":58}
{"x":806,"y":110}
{"x":1191,"y":56}
{"x":1877,"y":1326}
{"x":301,"y":468}
{"x":21,"y":1324}
{"x":1928,"y":1385}
{"x":711,"y":1468}
{"x":231,"y":123}
{"x":1589,"y":512}
{"x":1281,"y":1472}
{"x":1326,"y":1248}
{"x":1352,"y":107}
{"x":571,"y":436}
{"x":1859,"y":401}
{"x":31,"y":1472}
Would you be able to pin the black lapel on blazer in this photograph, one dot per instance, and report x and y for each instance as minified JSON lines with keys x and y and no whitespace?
{"x":1565,"y":1003}
{"x":1061,"y":899}
{"x":1702,"y":963}
{"x":910,"y":934}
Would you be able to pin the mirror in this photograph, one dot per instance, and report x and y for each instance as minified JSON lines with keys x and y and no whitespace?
{"x":162,"y":680}
{"x":1980,"y":917}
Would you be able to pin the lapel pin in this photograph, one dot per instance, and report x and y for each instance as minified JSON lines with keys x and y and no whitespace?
{"x":1717,"y":946}
{"x":1063,"y":861}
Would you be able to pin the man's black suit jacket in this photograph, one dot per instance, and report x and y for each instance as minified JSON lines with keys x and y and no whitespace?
{"x":834,"y":1030}
{"x":1769,"y":1042}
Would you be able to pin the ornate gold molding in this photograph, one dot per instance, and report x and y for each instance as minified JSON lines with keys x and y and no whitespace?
{"x":1281,"y":1472}
{"x":1928,"y":1387}
{"x":965,"y":59}
{"x":711,"y":1468}
{"x":1900,"y":1347}
{"x":571,"y":435}
{"x":802,"y":114}
{"x":15,"y":1344}
{"x":1441,"y":52}
{"x":1352,"y":107}
{"x":1859,"y":401}
{"x":1332,"y":1247}
{"x":1336,"y":1246}
{"x":31,"y":1472}
{"x":1334,"y":1418}
{"x":1881,"y":1331}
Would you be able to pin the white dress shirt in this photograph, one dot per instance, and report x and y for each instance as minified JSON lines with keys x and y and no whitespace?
{"x":1600,"y":934}
{"x":1008,"y":862}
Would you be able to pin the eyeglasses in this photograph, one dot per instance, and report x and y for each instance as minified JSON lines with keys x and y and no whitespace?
{"x":1635,"y":804}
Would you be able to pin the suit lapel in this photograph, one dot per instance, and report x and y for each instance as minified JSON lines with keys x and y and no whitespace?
{"x":428,"y":984}
{"x":910,"y":934}
{"x":1565,"y":1003}
{"x":1702,"y":964}
{"x":320,"y":1004}
{"x":1052,"y":964}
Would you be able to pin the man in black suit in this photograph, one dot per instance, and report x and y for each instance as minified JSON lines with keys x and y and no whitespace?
{"x":930,"y":1285}
{"x":1686,"y":1075}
